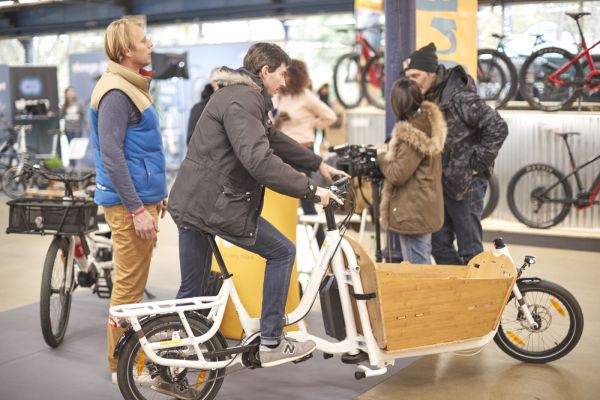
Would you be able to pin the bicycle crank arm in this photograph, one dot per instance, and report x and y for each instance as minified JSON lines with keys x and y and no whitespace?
{"x":229,"y":351}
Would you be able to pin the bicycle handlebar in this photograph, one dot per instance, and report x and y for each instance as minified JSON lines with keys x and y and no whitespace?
{"x":55,"y":176}
{"x":337,"y":187}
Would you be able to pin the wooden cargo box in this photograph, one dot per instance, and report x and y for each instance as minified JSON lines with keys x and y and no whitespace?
{"x":424,"y":305}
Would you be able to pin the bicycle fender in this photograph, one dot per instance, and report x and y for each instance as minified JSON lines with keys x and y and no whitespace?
{"x":128,"y":333}
{"x":122,"y":341}
{"x":528,"y":281}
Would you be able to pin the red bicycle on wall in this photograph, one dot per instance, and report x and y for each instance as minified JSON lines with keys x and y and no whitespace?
{"x":359,"y":74}
{"x":551,"y":78}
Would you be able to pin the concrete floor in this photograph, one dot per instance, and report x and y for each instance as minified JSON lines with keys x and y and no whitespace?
{"x":488,"y":375}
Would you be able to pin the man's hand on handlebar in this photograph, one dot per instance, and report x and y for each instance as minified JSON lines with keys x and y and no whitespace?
{"x":324,"y":196}
{"x":327,"y":171}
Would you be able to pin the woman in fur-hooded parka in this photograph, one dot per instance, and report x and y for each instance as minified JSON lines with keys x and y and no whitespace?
{"x":412,"y":198}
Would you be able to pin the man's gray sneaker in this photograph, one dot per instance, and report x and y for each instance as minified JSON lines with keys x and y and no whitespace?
{"x":177,"y":390}
{"x":287,"y":350}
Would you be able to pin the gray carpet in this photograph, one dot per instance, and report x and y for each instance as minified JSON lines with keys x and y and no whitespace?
{"x":30,"y":370}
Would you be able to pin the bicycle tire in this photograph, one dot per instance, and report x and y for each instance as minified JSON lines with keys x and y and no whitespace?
{"x":54,"y":331}
{"x":533,"y":82}
{"x":497,"y":78}
{"x":153,"y":329}
{"x":561,"y":302}
{"x":513,"y":78}
{"x":551,"y":177}
{"x":11,"y":186}
{"x":354,"y":62}
{"x":377,"y":67}
{"x":492,"y":196}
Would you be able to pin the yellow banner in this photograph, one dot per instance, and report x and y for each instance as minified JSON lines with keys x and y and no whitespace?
{"x":370,"y":5}
{"x":248,"y":269}
{"x":452,"y":26}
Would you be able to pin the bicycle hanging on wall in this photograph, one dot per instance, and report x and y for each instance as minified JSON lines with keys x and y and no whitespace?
{"x":540,"y":195}
{"x":359,"y":74}
{"x":552,"y":78}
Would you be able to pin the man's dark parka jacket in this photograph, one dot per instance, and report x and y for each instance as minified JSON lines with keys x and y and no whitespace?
{"x":235,"y":153}
{"x":475,"y":130}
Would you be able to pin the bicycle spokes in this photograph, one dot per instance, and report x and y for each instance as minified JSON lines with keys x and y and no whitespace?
{"x":550,"y":315}
{"x":539,"y":197}
{"x":347,"y":80}
{"x":60,"y":291}
{"x":548,"y":81}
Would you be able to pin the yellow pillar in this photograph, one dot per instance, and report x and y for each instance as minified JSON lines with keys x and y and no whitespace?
{"x":248,"y":268}
{"x":452,"y":26}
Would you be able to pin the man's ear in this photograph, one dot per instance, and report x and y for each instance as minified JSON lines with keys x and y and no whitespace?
{"x":264,"y":71}
{"x":126,"y":53}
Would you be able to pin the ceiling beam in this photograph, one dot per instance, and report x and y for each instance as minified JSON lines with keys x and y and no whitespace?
{"x":73,"y":15}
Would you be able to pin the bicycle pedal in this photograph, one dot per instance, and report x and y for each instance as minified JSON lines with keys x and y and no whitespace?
{"x":103,"y":290}
{"x":354,"y":358}
{"x":103,"y":294}
{"x":306,"y":357}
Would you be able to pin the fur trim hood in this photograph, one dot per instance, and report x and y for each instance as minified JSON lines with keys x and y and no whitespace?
{"x":225,"y":76}
{"x":412,"y":133}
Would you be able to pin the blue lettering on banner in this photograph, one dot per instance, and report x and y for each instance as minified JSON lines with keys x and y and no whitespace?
{"x":437,"y":5}
{"x":448,"y":28}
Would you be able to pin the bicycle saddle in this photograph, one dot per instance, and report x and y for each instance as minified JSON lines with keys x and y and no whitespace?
{"x":498,"y":36}
{"x":566,"y":134}
{"x":576,"y":16}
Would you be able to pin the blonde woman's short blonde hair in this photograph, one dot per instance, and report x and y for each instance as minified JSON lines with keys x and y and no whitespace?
{"x":118,"y":37}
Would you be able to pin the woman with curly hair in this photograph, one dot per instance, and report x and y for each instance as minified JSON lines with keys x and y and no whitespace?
{"x":299,"y":113}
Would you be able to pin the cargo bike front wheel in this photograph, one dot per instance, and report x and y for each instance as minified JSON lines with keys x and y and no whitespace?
{"x":58,"y":284}
{"x":557,"y":314}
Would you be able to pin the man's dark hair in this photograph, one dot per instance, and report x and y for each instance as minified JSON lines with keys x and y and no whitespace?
{"x":261,"y":54}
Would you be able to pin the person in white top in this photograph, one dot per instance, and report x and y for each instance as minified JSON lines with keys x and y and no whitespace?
{"x":299,"y":113}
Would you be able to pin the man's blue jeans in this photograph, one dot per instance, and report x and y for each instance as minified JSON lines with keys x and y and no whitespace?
{"x":462,"y":220}
{"x":195,"y":257}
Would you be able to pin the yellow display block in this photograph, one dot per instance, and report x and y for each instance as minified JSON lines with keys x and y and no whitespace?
{"x":248,"y":269}
{"x":452,"y":26}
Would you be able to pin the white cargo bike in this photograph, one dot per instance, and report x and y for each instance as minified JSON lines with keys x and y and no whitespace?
{"x":376,"y":313}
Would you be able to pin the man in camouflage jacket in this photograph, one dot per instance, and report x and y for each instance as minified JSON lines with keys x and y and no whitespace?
{"x":475,"y":134}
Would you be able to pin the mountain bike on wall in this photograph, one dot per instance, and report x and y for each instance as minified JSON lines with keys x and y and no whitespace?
{"x":551,"y":78}
{"x":540,"y":195}
{"x":497,"y":77}
{"x":359,"y":74}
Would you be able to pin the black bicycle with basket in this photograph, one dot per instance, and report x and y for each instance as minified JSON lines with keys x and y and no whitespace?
{"x":79,"y":254}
